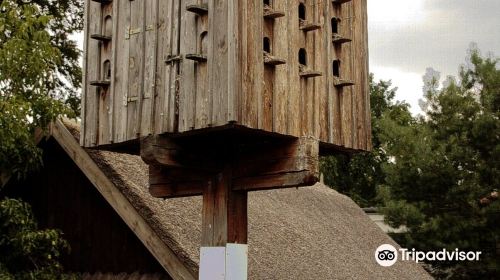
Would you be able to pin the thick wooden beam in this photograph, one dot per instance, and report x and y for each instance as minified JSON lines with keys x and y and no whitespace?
{"x":276,"y":181}
{"x":171,"y":183}
{"x":224,"y":216}
{"x":180,"y":168}
{"x":165,"y":151}
{"x":279,"y":165}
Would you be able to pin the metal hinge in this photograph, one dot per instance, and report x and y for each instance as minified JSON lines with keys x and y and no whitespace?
{"x":173,"y":58}
{"x":129,"y":32}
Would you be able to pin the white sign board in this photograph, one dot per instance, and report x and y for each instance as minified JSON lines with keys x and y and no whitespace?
{"x":213,"y":263}
{"x":224,"y":263}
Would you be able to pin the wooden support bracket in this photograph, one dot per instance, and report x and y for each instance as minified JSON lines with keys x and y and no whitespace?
{"x":309,"y":26}
{"x":338,"y":82}
{"x":199,"y":9}
{"x":310,"y":74}
{"x":340,"y":1}
{"x":270,"y":13}
{"x":339,"y":39}
{"x":178,"y":169}
{"x":100,"y":37}
{"x":102,"y":84}
{"x":272,"y":60}
{"x":223,"y":168}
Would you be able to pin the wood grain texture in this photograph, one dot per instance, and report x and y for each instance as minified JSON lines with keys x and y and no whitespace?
{"x":150,"y":64}
{"x":187,"y":86}
{"x":176,"y":69}
{"x":167,"y":258}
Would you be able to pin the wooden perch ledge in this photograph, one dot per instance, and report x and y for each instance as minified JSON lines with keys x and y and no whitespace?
{"x":340,"y":1}
{"x":270,"y":13}
{"x":308,"y":26}
{"x":272,"y":60}
{"x":339,"y":39}
{"x":201,"y":9}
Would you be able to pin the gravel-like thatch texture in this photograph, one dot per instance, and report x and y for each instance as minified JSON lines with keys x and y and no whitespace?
{"x":306,"y":233}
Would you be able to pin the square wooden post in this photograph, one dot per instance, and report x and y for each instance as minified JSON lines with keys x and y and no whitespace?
{"x":225,"y":218}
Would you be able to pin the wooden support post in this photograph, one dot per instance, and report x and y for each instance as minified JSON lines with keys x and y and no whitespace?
{"x":224,"y":212}
{"x":224,"y":169}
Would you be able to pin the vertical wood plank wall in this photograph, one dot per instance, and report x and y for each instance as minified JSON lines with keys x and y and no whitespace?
{"x":156,"y":89}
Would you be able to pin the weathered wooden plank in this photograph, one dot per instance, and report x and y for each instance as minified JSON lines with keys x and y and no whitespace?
{"x":336,"y":93}
{"x":94,"y":72}
{"x":203,"y":106}
{"x":294,"y":34}
{"x":136,"y":68}
{"x":252,"y":65}
{"x":85,"y":73}
{"x":361,"y":88}
{"x":366,"y":81}
{"x":164,"y":254}
{"x":219,"y":66}
{"x":346,"y":73}
{"x":121,"y":41}
{"x":173,"y":71}
{"x":325,"y":93}
{"x":113,"y":69}
{"x":188,"y":45}
{"x":105,"y":93}
{"x":281,"y":89}
{"x":320,"y":61}
{"x":234,"y":62}
{"x":276,"y":181}
{"x":162,"y":91}
{"x":268,"y":79}
{"x":151,"y":58}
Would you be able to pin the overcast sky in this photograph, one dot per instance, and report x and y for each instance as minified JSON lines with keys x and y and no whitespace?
{"x":407,"y":36}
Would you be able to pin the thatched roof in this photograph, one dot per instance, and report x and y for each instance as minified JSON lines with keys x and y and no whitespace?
{"x":306,"y":233}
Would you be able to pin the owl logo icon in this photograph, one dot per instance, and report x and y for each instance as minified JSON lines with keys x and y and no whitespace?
{"x":386,"y":255}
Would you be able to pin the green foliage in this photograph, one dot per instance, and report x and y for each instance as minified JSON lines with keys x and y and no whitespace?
{"x":39,"y":78}
{"x":27,"y":252}
{"x":32,"y":73}
{"x":66,"y":18}
{"x":444,"y":164}
{"x":428,"y":173}
{"x":359,"y":175}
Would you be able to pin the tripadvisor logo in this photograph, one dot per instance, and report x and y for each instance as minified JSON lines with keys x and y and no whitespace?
{"x":387,"y":255}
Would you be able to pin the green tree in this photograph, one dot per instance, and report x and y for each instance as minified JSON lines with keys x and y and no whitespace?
{"x":359,"y":175}
{"x":29,"y":77}
{"x":443,"y":165}
{"x":39,"y":77}
{"x":66,"y":18}
{"x":27,"y":252}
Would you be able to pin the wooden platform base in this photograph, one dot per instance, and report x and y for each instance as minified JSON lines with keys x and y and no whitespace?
{"x":224,"y":168}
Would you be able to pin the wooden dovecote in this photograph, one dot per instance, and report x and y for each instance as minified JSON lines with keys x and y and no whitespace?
{"x":223,"y":97}
{"x":283,"y":67}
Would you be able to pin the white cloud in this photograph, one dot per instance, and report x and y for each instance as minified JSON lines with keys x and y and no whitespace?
{"x":396,"y":13}
{"x":406,"y":37}
{"x":409,"y":84}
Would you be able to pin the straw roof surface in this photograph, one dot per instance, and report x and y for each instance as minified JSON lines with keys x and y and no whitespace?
{"x":305,"y":233}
